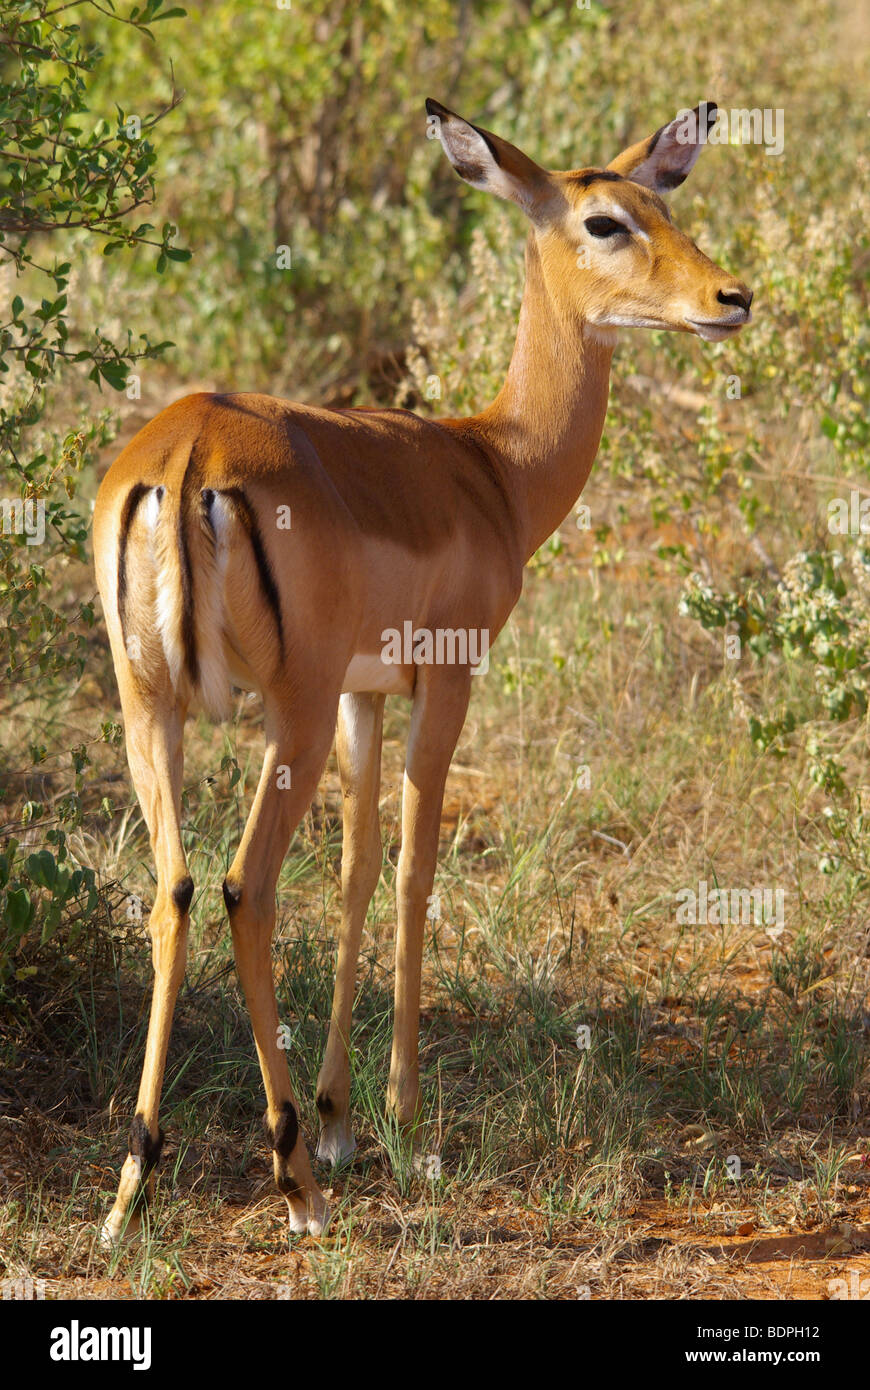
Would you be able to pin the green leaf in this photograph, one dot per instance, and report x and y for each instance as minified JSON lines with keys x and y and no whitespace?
{"x":115,"y":373}
{"x":41,"y":869}
{"x":18,"y":912}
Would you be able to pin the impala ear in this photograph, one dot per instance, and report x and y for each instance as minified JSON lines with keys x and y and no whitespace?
{"x":486,"y":161}
{"x":664,"y":160}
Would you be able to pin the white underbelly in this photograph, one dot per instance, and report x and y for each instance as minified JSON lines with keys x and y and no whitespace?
{"x":368,"y":674}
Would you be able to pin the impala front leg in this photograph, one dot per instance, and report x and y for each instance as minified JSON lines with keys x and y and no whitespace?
{"x":440,"y":705}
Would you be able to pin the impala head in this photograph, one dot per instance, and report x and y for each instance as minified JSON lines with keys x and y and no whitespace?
{"x":610,"y":254}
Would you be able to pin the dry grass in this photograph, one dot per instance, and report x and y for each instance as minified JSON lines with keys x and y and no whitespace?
{"x":564,"y":1172}
{"x":605,"y":1171}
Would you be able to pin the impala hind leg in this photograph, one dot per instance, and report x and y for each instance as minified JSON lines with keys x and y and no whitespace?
{"x":154,"y":750}
{"x":358,"y":744}
{"x":440,"y":705}
{"x":295,"y":757}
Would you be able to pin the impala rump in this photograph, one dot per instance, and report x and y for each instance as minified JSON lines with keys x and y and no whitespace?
{"x":193,"y":568}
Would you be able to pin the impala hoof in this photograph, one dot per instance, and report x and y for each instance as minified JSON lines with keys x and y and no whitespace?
{"x":110,"y":1237}
{"x":336,"y":1146}
{"x":118,"y":1229}
{"x":308,"y":1218}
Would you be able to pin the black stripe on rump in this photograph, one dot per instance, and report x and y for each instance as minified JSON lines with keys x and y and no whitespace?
{"x":189,"y":492}
{"x":131,"y":503}
{"x":261,"y":559}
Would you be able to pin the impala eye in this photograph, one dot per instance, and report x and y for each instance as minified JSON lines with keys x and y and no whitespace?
{"x":603,"y":226}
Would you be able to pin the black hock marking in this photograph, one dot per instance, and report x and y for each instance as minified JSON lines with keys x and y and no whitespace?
{"x":182,"y":894}
{"x":143,"y":1147}
{"x":188,"y":630}
{"x":288,"y":1186}
{"x":131,"y":503}
{"x":232,"y":895}
{"x":261,"y":559}
{"x":286,"y":1132}
{"x":594,"y":175}
{"x":283,"y":1140}
{"x":324,"y":1103}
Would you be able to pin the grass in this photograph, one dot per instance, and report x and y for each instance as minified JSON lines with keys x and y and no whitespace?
{"x":591,"y":1067}
{"x":618,"y":1104}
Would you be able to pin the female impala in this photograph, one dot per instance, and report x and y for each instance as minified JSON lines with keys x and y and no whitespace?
{"x":243,"y":540}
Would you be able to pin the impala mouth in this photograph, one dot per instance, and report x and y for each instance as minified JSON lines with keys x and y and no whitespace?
{"x":716,"y":330}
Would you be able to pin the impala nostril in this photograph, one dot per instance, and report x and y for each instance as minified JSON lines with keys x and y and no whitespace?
{"x":740,"y":298}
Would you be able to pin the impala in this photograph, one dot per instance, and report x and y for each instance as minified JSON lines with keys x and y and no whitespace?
{"x":244,"y":541}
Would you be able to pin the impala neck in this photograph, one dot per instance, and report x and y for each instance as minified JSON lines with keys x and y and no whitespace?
{"x":545,"y":425}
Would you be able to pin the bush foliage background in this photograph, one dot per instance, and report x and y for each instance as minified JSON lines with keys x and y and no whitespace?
{"x":259,"y":129}
{"x":243,"y":197}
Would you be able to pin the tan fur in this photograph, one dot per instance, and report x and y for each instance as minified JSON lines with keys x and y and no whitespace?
{"x":394,"y":518}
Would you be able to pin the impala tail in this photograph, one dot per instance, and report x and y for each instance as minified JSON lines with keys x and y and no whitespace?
{"x":171,"y":586}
